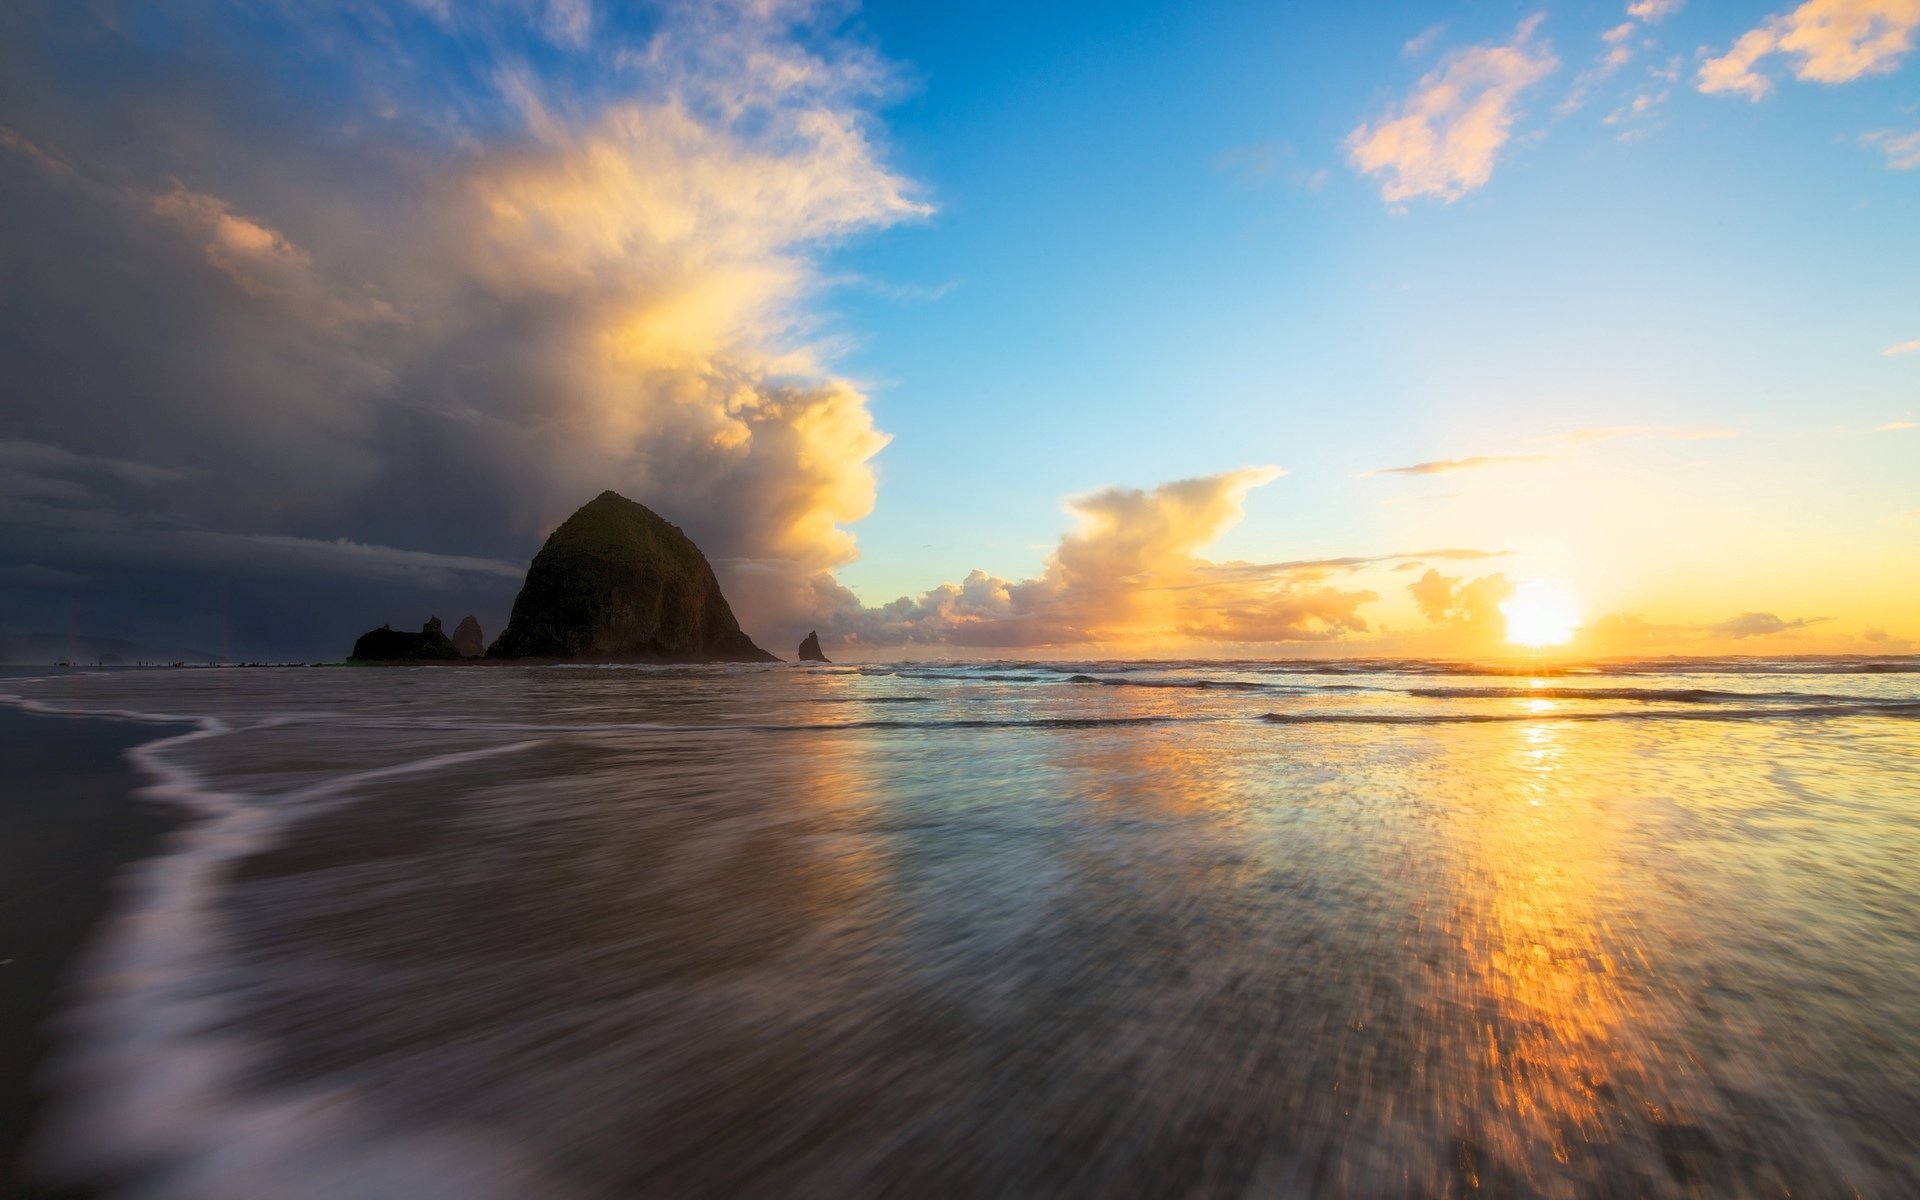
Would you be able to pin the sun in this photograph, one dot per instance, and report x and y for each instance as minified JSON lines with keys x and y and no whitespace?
{"x":1541,"y":612}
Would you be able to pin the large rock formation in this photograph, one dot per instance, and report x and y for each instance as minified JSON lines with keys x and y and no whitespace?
{"x":387,"y":644}
{"x":468,"y":639}
{"x":616,"y":583}
{"x":810,"y":649}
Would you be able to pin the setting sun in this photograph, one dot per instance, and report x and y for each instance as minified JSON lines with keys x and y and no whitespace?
{"x":1541,"y":612}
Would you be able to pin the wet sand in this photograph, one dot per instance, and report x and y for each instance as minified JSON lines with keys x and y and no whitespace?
{"x":1398,"y":930}
{"x":68,"y":823}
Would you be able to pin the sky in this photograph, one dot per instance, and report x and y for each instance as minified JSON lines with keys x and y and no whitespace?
{"x":1128,"y":329}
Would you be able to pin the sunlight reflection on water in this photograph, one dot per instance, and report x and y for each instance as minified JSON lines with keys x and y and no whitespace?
{"x":969,"y":936}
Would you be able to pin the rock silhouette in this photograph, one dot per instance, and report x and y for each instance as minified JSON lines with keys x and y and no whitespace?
{"x":467,"y":638}
{"x":617,"y":583}
{"x":810,"y":649}
{"x":387,"y":644}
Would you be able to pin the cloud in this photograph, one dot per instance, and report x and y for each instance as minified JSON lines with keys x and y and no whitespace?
{"x":261,"y":262}
{"x":1628,"y":633}
{"x":1443,"y":139}
{"x":1899,"y":348}
{"x":56,"y":516}
{"x":41,"y":459}
{"x":1834,"y":41}
{"x":52,"y":165}
{"x":1902,"y":151}
{"x":1653,"y":11}
{"x":1897,"y":426}
{"x":284,"y":556}
{"x":1470,"y":608}
{"x":1619,"y":42}
{"x":1423,"y":41}
{"x":1255,"y":164}
{"x":569,"y":22}
{"x":1352,"y":562}
{"x":1636,"y":108}
{"x":1129,"y":574}
{"x":36,"y":575}
{"x":1443,"y":466}
{"x":1759,"y":624}
{"x":409,"y":282}
{"x":1619,"y":53}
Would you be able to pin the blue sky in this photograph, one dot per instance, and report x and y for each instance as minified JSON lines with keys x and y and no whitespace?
{"x":1161,"y":262}
{"x":1083,"y":328}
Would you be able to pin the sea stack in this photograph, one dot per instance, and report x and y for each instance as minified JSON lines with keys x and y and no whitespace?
{"x":810,"y":649}
{"x":387,"y":644}
{"x":467,"y":638}
{"x":617,"y":583}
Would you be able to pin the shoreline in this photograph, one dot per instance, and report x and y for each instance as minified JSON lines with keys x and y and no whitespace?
{"x":72,"y":822}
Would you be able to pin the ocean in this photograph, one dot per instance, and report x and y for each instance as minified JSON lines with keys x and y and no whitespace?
{"x":1367,"y":929}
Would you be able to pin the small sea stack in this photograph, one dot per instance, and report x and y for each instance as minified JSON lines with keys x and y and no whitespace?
{"x":468,"y":639}
{"x":387,"y":644}
{"x":810,"y":649}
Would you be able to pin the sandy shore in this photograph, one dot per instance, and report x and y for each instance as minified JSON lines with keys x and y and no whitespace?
{"x":68,"y":823}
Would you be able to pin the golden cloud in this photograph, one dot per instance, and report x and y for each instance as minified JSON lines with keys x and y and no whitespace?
{"x":1835,"y":41}
{"x":1469,"y":608}
{"x":1651,"y":11}
{"x":1444,"y":138}
{"x":1131,"y":575}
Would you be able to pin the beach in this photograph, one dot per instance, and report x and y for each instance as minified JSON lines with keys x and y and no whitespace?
{"x":71,"y":825}
{"x":1349,"y":929}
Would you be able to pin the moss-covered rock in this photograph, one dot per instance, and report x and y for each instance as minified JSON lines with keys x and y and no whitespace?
{"x":617,"y":583}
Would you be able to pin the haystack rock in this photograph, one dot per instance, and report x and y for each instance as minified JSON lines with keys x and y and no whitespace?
{"x":617,"y":583}
{"x":387,"y":644}
{"x":810,"y":649}
{"x":467,"y":638}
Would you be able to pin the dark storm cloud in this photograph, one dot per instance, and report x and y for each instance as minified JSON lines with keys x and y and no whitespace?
{"x":331,"y":312}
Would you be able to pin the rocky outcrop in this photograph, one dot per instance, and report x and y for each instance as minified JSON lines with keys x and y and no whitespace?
{"x":387,"y":644}
{"x":467,"y":638}
{"x":617,"y":583}
{"x":810,"y":649}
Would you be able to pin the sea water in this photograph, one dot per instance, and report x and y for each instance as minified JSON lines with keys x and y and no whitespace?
{"x":1254,"y":928}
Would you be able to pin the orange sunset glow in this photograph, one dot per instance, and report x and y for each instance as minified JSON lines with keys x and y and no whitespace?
{"x":710,"y":599}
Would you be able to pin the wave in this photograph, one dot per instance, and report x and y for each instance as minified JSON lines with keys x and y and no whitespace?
{"x":956,"y":723}
{"x":950,"y":675}
{"x":148,"y":1085}
{"x":1649,"y":695}
{"x":870,"y":700}
{"x":1235,"y":685}
{"x":1902,"y":709}
{"x":1492,"y":668}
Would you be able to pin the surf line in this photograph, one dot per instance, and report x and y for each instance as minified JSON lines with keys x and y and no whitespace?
{"x":147,"y":1082}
